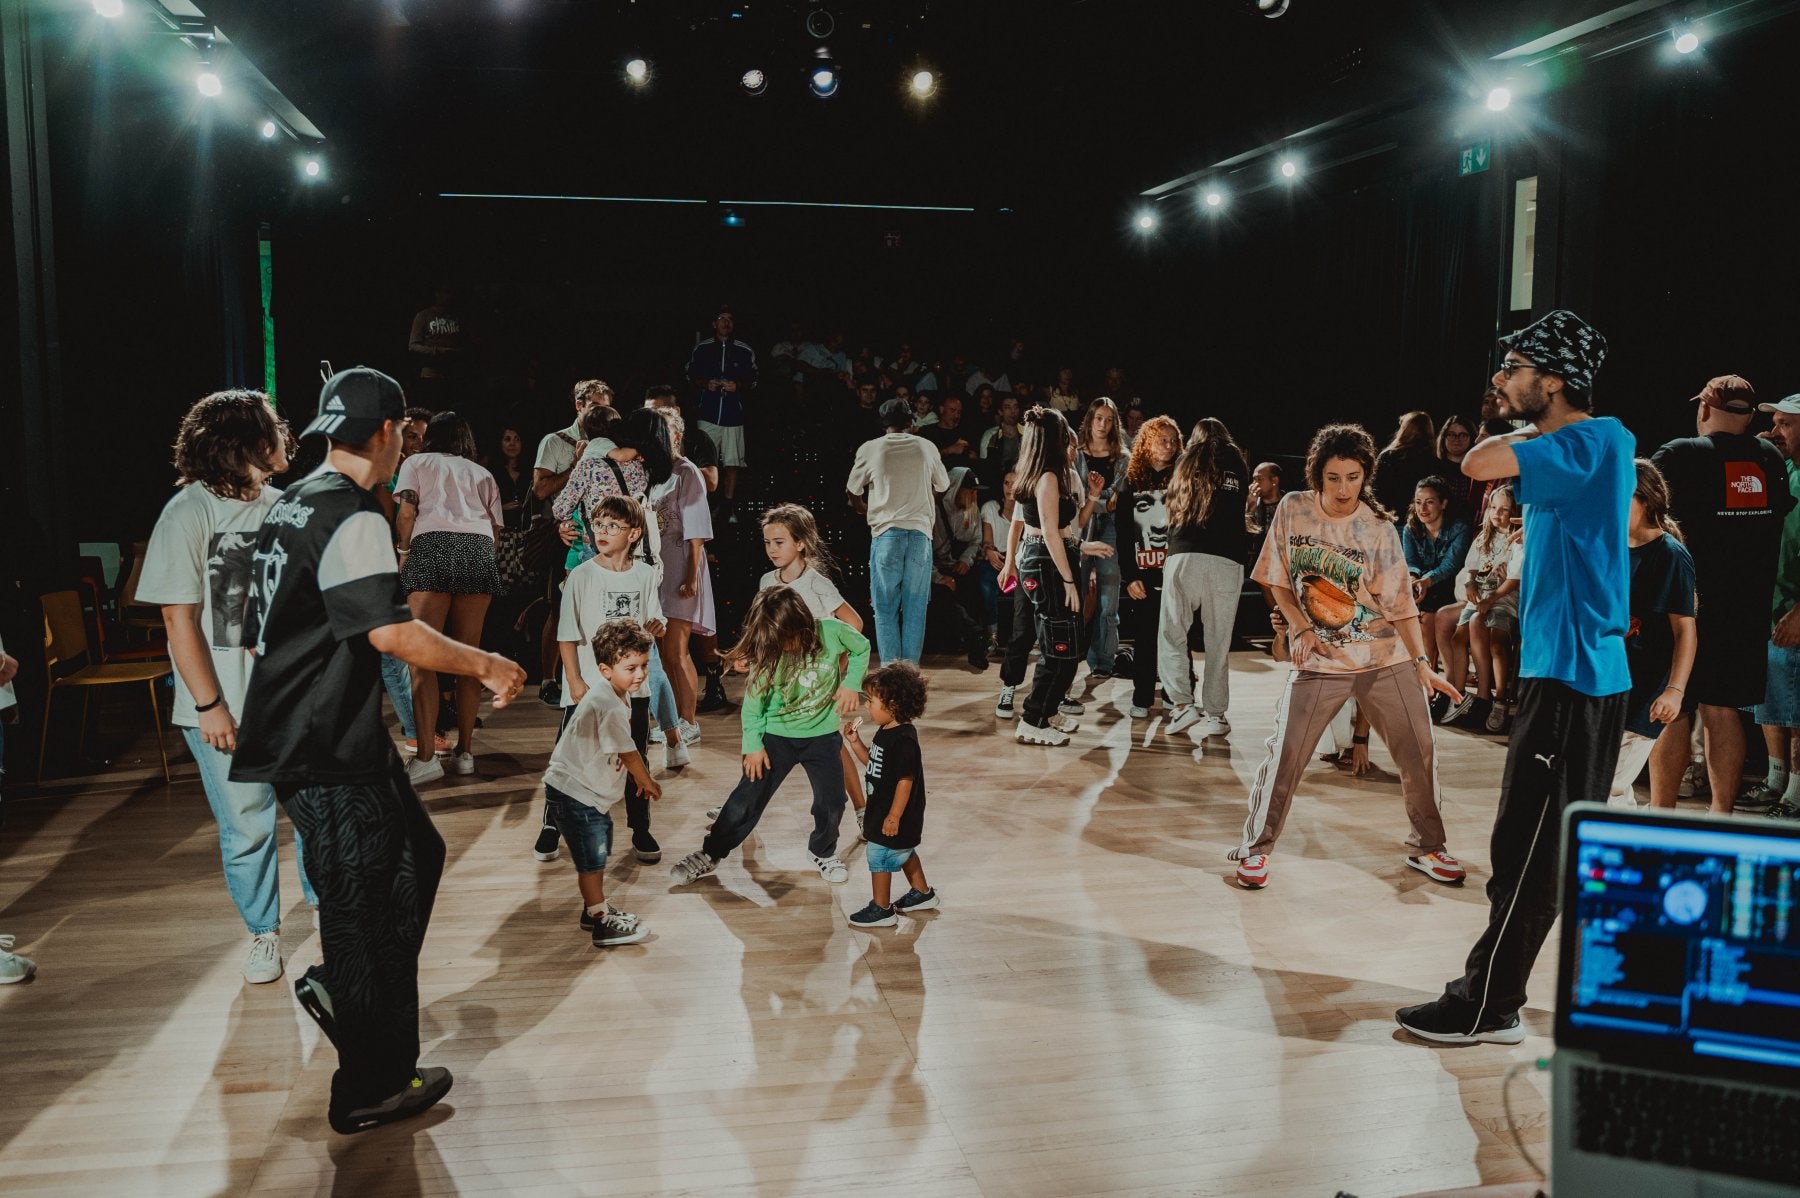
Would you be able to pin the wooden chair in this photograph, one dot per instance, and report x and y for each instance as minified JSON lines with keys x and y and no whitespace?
{"x":66,"y":644}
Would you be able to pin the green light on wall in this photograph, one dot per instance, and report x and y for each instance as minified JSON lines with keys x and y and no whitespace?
{"x":265,"y":259}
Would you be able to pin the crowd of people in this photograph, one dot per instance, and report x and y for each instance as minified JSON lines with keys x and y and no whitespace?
{"x":1523,"y":573}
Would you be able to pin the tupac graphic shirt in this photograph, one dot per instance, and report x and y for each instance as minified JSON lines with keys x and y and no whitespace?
{"x":1350,"y":578}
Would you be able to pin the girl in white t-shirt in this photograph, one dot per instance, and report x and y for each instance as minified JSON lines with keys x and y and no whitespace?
{"x":802,"y":563}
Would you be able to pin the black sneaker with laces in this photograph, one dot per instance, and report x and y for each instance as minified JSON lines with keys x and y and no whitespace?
{"x":1783,"y":810}
{"x":426,"y":1090}
{"x":1437,"y":1023}
{"x":545,"y":848}
{"x":916,"y":900}
{"x":873,"y":916}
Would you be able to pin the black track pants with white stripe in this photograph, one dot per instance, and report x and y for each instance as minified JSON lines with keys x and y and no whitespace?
{"x":1563,"y":750}
{"x":376,"y":867}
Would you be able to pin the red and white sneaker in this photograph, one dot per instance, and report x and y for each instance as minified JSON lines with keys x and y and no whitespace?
{"x":1439,"y":867}
{"x":1253,"y":871}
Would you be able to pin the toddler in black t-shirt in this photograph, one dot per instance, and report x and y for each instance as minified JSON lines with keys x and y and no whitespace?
{"x":894,"y":820}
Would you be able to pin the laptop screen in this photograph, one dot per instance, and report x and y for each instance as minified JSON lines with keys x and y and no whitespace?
{"x":1681,"y":943}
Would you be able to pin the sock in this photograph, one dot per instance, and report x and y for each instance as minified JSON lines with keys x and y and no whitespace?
{"x":1792,"y":794}
{"x":597,"y":909}
{"x":1777,"y":777}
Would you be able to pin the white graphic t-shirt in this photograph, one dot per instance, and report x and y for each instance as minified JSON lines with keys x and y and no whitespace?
{"x":200,"y":552}
{"x":592,"y":596}
{"x":1349,"y":575}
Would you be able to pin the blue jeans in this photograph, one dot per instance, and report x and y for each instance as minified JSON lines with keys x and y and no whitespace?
{"x":900,"y":589}
{"x":397,"y":678}
{"x":662,"y":694}
{"x":988,"y":579}
{"x":246,"y":815}
{"x":1103,"y":640}
{"x":587,"y":830}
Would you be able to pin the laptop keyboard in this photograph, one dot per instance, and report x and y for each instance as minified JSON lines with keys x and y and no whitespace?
{"x":1689,"y":1124}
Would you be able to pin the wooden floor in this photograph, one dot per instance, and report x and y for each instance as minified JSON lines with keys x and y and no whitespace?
{"x":1096,"y":1009}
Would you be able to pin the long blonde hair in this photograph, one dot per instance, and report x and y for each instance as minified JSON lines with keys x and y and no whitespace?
{"x":779,"y":635}
{"x":804,"y":530}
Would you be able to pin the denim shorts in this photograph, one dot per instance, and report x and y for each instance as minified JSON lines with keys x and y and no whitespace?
{"x":588,"y":830}
{"x":1780,"y":707}
{"x":883,"y":860}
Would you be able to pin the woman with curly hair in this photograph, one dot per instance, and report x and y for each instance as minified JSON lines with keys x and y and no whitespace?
{"x":1144,"y":545}
{"x":1334,"y":564}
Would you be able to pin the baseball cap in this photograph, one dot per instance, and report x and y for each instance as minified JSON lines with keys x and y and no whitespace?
{"x":1789,"y":406}
{"x":896,"y":413}
{"x":1729,"y":393}
{"x":354,"y":403}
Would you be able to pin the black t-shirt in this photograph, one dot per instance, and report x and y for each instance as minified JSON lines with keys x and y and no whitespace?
{"x":323,"y":575}
{"x":893,"y":756}
{"x":943,"y":437}
{"x":1067,"y":507}
{"x":1223,"y":534}
{"x":1662,"y":585}
{"x":1144,"y":530}
{"x":698,"y":448}
{"x":1729,"y":493}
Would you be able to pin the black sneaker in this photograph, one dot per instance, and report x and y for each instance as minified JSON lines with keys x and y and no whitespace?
{"x":873,"y":916}
{"x":1474,"y":719}
{"x":1435,"y":1022}
{"x":309,"y":989}
{"x":644,"y":846}
{"x":425,"y":1091}
{"x":915,"y":900}
{"x":1783,"y":810}
{"x":1451,"y":712}
{"x":616,"y":927}
{"x":713,"y":698}
{"x":978,"y":659}
{"x":1437,"y":707}
{"x":550,"y":694}
{"x":587,"y":921}
{"x":545,"y":848}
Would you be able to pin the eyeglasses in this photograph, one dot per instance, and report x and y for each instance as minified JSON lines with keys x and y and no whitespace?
{"x":611,"y":527}
{"x":1508,"y":368}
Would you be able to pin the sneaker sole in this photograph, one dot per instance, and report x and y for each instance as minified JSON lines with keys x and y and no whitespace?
{"x":1458,"y":880}
{"x":428,"y":1098}
{"x":647,"y":858}
{"x":309,"y":1002}
{"x":550,"y":856}
{"x":615,"y":942}
{"x":1177,"y":726}
{"x":1005,"y":713}
{"x":1505,"y":1035}
{"x":929,"y":904}
{"x":890,"y":921}
{"x":1252,"y":883}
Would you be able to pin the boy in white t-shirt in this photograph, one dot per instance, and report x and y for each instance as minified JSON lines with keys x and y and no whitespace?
{"x":198,"y":569}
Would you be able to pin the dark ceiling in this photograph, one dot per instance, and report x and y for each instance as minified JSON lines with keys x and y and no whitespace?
{"x":1043,"y":102}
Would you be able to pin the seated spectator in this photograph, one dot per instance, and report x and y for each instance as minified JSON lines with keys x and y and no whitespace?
{"x":999,"y":446}
{"x":1489,"y":619}
{"x":1409,"y":457}
{"x":983,"y":415}
{"x":1435,"y":543}
{"x":1065,"y":396}
{"x":924,"y":406}
{"x":956,"y":550}
{"x":955,"y":441}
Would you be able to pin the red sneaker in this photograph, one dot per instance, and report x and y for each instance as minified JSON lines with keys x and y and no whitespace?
{"x":1439,"y":867}
{"x":1253,"y":872}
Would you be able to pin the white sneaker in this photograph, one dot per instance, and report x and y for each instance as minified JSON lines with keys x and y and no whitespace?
{"x":13,"y":967}
{"x":675,"y":754}
{"x":692,"y":868}
{"x":463,"y":764}
{"x":712,"y":814}
{"x":690,"y":733}
{"x":657,"y":737}
{"x":264,"y":962}
{"x":1065,"y":723}
{"x":421,"y":770}
{"x":1213,"y":725}
{"x":1138,"y":713}
{"x":831,"y":869}
{"x":1031,"y":734}
{"x":1182,"y":718}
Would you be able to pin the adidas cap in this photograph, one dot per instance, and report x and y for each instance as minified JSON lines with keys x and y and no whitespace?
{"x":354,"y":403}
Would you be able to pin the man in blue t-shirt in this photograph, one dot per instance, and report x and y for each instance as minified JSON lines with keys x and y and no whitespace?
{"x":1576,"y":479}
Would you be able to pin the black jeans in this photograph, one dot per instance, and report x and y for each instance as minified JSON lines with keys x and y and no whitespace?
{"x":375,"y":860}
{"x":1146,"y":620}
{"x":1019,"y":639}
{"x":1564,"y":747}
{"x":1058,"y":629}
{"x":637,"y":807}
{"x":819,"y":757}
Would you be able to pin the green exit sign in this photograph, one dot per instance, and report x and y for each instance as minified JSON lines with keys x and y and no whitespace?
{"x":1474,"y":159}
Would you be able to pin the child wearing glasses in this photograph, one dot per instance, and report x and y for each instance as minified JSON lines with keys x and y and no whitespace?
{"x":614,"y":584}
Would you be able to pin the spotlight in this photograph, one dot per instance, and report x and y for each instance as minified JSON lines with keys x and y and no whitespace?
{"x":208,"y":83}
{"x":1272,"y":8}
{"x":1499,"y":99}
{"x":824,"y":82}
{"x":923,"y":83}
{"x":637,"y":70}
{"x":112,"y":10}
{"x":268,"y":129}
{"x":1214,"y":198}
{"x":312,"y":168}
{"x":1290,"y":168}
{"x":754,"y":82}
{"x":1146,"y":221}
{"x":1686,"y":42}
{"x":731,"y":219}
{"x":820,"y":24}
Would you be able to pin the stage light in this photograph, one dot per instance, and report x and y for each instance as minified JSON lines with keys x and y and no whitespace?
{"x":754,"y":82}
{"x":208,"y":83}
{"x":1687,"y":41}
{"x":1499,"y":99}
{"x":1146,"y":221}
{"x":637,"y":70}
{"x":731,"y":219}
{"x":820,"y":24}
{"x":112,"y":10}
{"x":923,"y":83}
{"x":269,"y":129}
{"x":1214,"y":198}
{"x":312,"y":168}
{"x":824,"y":82}
{"x":1272,"y":8}
{"x":1290,"y":168}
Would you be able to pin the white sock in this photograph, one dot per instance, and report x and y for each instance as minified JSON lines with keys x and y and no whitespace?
{"x":598,"y":909}
{"x":1777,"y":778}
{"x":1792,"y":794}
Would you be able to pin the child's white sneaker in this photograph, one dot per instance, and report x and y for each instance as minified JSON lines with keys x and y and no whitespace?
{"x":692,"y":868}
{"x":675,"y":754}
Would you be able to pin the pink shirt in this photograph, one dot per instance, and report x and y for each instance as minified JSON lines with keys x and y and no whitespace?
{"x":453,"y":494}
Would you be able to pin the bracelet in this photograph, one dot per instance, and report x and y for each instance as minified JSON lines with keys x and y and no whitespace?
{"x":213,"y":704}
{"x":1676,"y":689}
{"x":1359,"y":740}
{"x":1067,"y":581}
{"x":1422,"y":660}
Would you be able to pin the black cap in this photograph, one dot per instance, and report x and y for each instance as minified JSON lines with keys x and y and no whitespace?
{"x":896,"y":414}
{"x":354,"y":404}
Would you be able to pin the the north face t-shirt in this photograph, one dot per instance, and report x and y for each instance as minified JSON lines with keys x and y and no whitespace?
{"x":323,"y":576}
{"x":200,"y":553}
{"x":1729,"y":493}
{"x":893,"y":756}
{"x":1350,"y":578}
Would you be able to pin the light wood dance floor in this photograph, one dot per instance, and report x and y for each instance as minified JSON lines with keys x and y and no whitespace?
{"x":1096,"y":1009}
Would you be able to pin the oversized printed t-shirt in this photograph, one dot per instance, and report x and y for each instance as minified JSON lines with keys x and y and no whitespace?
{"x":1349,"y":577}
{"x":893,"y":756}
{"x":200,"y":553}
{"x":1575,"y":583}
{"x":592,"y":595}
{"x":1144,"y":530}
{"x":1662,"y":585}
{"x":585,"y":762}
{"x":822,"y":598}
{"x":323,"y":576}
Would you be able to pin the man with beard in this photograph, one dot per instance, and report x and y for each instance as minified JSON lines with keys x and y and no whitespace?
{"x":1576,"y":479}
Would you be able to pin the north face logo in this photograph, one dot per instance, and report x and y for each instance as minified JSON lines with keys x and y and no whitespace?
{"x":1745,"y":486}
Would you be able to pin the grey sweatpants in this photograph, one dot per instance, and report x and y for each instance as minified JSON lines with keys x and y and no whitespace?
{"x":1395,"y":704}
{"x":1208,"y":584}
